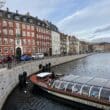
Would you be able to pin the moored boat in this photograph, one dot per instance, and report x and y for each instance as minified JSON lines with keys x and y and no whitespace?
{"x":84,"y":93}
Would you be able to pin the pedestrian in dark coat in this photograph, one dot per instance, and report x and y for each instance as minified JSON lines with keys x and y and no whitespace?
{"x":9,"y":60}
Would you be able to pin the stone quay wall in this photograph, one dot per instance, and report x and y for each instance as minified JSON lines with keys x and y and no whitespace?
{"x":9,"y":77}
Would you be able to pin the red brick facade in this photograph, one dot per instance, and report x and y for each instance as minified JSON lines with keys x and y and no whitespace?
{"x":24,"y":33}
{"x":43,"y":40}
{"x":7,"y":37}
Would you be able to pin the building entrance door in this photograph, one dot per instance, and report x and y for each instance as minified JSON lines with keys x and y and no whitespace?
{"x":18,"y":53}
{"x":50,"y":51}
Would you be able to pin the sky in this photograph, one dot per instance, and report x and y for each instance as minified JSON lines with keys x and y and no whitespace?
{"x":86,"y":19}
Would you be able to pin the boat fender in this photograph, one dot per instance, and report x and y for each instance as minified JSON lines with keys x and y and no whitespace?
{"x":24,"y":78}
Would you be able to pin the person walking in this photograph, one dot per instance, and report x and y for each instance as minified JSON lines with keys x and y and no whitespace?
{"x":9,"y":60}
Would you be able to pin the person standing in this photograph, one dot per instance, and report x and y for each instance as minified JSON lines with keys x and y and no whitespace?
{"x":9,"y":61}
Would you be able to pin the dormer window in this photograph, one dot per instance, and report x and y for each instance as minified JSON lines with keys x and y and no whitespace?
{"x":30,"y":20}
{"x":9,"y":15}
{"x":38,"y":23}
{"x":17,"y":17}
{"x":43,"y":25}
{"x":24,"y":19}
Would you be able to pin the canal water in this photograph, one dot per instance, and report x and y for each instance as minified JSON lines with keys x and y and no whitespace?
{"x":97,"y":65}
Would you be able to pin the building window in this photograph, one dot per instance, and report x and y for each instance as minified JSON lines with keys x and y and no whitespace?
{"x":37,"y":42}
{"x":11,"y":41}
{"x":24,"y":50}
{"x":4,"y":23}
{"x":24,"y":19}
{"x":18,"y":32}
{"x":38,"y":23}
{"x":33,"y":49}
{"x":10,"y":24}
{"x":28,"y":27}
{"x":23,"y":26}
{"x":10,"y":32}
{"x":17,"y":25}
{"x":28,"y":34}
{"x":12,"y":50}
{"x":5,"y":32}
{"x":24,"y":33}
{"x":36,"y":28}
{"x":6,"y":50}
{"x":33,"y":42}
{"x":32,"y":28}
{"x":30,"y":20}
{"x":5,"y":41}
{"x":28,"y":50}
{"x":29,"y":42}
{"x":24,"y":42}
{"x":17,"y":17}
{"x":32,"y":34}
{"x":9,"y":16}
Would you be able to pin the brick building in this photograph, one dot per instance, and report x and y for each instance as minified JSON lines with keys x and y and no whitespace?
{"x":43,"y":37}
{"x":101,"y":47}
{"x":23,"y":34}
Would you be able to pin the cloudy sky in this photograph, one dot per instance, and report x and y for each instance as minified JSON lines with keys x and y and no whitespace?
{"x":87,"y":19}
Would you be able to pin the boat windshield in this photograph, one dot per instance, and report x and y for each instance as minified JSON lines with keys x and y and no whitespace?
{"x":82,"y":89}
{"x":105,"y":94}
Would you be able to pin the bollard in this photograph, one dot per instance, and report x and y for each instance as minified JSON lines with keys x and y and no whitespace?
{"x":24,"y":78}
{"x":43,"y":69}
{"x":49,"y":67}
{"x":53,"y":75}
{"x":50,"y":64}
{"x":46,"y":68}
{"x":40,"y":66}
{"x":20,"y":81}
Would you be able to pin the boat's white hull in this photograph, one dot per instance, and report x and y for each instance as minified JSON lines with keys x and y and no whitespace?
{"x":74,"y":99}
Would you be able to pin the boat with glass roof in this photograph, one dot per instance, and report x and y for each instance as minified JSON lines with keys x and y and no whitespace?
{"x":90,"y":91}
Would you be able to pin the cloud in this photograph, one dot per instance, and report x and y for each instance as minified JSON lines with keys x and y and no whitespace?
{"x":40,"y":8}
{"x":83,"y":22}
{"x":103,"y":29}
{"x":86,"y":19}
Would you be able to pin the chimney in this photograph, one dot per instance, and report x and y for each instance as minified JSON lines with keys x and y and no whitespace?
{"x":36,"y":17}
{"x":28,"y":14}
{"x":7,"y":9}
{"x":16,"y":11}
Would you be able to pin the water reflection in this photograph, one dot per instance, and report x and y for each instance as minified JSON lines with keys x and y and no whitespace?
{"x":97,"y":65}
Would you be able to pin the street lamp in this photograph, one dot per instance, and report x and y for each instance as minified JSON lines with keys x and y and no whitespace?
{"x":2,"y":3}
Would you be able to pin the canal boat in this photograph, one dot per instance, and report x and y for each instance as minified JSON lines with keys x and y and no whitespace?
{"x":89,"y":91}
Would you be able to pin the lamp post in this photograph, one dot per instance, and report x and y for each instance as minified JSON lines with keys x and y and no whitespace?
{"x":2,"y":3}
